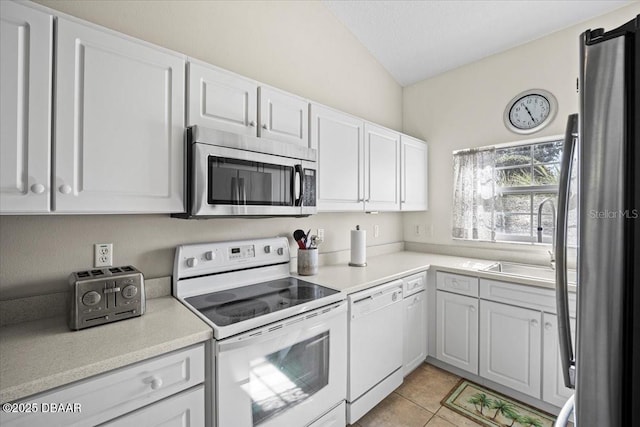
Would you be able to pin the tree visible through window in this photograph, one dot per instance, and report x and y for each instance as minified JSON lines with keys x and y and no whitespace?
{"x":498,"y":192}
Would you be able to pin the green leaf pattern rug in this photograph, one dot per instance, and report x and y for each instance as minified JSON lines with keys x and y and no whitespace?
{"x":492,"y":409}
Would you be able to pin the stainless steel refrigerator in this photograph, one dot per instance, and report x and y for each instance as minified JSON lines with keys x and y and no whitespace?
{"x":605,"y":371}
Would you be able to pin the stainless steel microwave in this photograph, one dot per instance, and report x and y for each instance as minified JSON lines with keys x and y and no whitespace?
{"x":239,"y":175}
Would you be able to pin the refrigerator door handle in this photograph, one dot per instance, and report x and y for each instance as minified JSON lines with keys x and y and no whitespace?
{"x":562,"y":296}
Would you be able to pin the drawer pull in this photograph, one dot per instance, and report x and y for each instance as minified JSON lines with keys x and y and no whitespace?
{"x":534,"y":323}
{"x":548,"y":326}
{"x":154,"y":382}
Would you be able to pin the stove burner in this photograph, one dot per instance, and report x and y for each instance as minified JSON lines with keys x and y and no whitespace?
{"x":248,"y":302}
{"x":237,"y":311}
{"x":301,"y":293}
{"x":220,"y":297}
{"x":279,"y":284}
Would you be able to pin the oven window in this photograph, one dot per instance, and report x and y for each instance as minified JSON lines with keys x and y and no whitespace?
{"x":288,"y":377}
{"x":242,"y":182}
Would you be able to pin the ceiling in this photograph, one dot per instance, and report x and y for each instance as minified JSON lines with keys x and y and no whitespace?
{"x":415,"y":40}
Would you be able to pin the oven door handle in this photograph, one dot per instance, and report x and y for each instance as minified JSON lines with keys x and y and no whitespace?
{"x":298,"y":185}
{"x":315,"y":322}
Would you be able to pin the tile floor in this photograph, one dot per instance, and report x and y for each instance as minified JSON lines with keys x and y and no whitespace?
{"x":416,"y":403}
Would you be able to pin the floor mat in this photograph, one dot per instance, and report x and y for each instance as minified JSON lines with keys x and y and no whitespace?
{"x":493,"y":409}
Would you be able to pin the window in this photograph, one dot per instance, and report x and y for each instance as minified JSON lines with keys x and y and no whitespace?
{"x":498,"y":192}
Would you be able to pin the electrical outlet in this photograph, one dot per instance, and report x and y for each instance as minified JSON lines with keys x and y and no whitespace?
{"x":376,"y":231}
{"x":103,"y":254}
{"x":320,"y":234}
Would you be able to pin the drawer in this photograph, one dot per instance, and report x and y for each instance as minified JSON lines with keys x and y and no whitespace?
{"x":465,"y":285}
{"x":107,"y":396}
{"x":184,"y":409}
{"x":524,"y":296}
{"x":415,"y":283}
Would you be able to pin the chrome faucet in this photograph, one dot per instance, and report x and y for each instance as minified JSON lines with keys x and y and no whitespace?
{"x":552,"y":253}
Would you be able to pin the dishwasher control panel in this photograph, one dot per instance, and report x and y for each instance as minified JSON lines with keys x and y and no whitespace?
{"x":105,"y":295}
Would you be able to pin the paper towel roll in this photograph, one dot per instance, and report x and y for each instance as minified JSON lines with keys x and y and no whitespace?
{"x":358,"y":248}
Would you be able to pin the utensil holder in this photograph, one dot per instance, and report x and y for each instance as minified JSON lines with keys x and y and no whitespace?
{"x":308,"y":261}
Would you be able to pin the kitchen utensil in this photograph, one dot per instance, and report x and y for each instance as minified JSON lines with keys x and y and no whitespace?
{"x":299,"y":236}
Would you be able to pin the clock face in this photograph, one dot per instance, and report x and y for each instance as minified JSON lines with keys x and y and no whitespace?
{"x":529,"y":111}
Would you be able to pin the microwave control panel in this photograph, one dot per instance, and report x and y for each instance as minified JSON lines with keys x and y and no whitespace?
{"x":309,"y":188}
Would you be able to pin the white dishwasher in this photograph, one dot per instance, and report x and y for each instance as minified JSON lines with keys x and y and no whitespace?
{"x":375,"y":347}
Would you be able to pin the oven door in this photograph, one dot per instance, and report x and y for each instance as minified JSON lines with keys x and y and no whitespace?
{"x":286,"y":374}
{"x":228,"y":181}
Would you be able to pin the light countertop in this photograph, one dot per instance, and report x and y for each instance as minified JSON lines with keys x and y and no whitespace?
{"x":39,"y":355}
{"x":385,"y":268}
{"x":42,"y":354}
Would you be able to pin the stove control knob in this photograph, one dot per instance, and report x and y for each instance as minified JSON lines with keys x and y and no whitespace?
{"x":192,"y":262}
{"x":280,"y":251}
{"x":91,"y":298}
{"x":209,"y":255}
{"x":267,"y":249}
{"x":129,"y":291}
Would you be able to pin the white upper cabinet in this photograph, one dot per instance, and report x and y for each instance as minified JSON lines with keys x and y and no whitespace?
{"x":339,"y":140}
{"x":25,"y":110}
{"x":219,"y":99}
{"x":119,"y":134}
{"x":414,"y":158}
{"x":382,"y":169}
{"x":283,"y":117}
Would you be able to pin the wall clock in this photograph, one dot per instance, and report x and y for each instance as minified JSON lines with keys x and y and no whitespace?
{"x":530,"y":111}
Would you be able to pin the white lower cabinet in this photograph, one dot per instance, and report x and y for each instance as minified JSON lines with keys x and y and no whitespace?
{"x":553,"y":388}
{"x":510,"y":339}
{"x":457,"y":330}
{"x":415,"y":331}
{"x":113,"y":394}
{"x":185,"y":409}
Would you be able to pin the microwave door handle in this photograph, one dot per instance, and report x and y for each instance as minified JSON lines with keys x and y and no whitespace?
{"x":298,"y":185}
{"x":235,"y":191}
{"x":562,"y":297}
{"x":243,"y":191}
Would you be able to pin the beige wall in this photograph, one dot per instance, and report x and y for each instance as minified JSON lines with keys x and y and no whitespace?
{"x":464,"y":107}
{"x":299,"y":47}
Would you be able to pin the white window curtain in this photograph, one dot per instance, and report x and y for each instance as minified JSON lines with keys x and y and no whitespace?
{"x":473,"y":194}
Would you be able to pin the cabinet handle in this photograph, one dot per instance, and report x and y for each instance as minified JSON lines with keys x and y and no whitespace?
{"x":548,"y":326}
{"x":37,"y":188}
{"x":65,"y":189}
{"x":534,"y":322}
{"x":265,"y":126}
{"x":472,"y":309}
{"x":154,"y":382}
{"x":252,"y":124}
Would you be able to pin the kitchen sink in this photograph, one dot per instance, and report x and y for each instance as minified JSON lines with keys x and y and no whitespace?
{"x":528,"y":271}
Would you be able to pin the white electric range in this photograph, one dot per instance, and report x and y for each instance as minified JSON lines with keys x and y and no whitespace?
{"x":280,"y":343}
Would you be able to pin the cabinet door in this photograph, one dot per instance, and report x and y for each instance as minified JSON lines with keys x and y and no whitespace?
{"x":457,"y":331}
{"x":553,"y":388}
{"x":415,"y":332}
{"x":119,"y":124}
{"x":338,"y":137}
{"x":510,"y":339}
{"x":219,"y":99}
{"x":26,"y":55}
{"x":283,"y":117}
{"x":414,"y":159}
{"x":185,"y":409}
{"x":382,"y":169}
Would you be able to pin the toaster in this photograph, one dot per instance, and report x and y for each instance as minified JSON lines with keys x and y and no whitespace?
{"x":105,"y":295}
